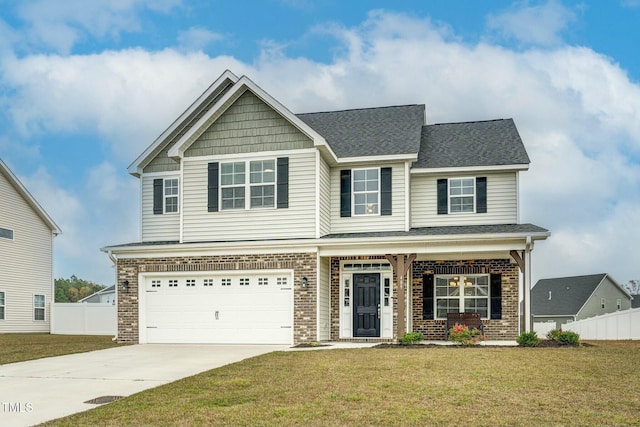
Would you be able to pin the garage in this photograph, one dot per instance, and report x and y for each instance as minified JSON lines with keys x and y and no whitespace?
{"x":217,"y":308}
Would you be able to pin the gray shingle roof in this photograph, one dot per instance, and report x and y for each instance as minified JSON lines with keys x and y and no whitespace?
{"x":486,"y":143}
{"x":568,"y":294}
{"x":370,"y":131}
{"x":492,"y":229}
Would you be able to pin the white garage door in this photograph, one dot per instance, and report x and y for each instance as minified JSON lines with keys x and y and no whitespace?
{"x":234,"y":308}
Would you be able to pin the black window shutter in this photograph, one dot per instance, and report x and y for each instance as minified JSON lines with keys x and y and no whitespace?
{"x":427,"y":296}
{"x":385,"y":191}
{"x":495,"y":293}
{"x":212,"y":186}
{"x":443,"y":197}
{"x":345,"y":193}
{"x":158,"y":188}
{"x":283,"y":182}
{"x":481,"y":195}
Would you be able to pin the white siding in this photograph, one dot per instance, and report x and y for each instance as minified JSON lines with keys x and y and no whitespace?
{"x":324,"y":210}
{"x":297,"y":221}
{"x":157,"y":227}
{"x":366,"y":223}
{"x":324,"y":300}
{"x":502,"y":201}
{"x":25,"y":262}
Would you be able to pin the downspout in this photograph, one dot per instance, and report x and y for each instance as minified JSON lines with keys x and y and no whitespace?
{"x":114,"y":260}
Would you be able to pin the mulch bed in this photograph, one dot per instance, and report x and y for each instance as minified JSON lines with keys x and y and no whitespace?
{"x":543,"y":343}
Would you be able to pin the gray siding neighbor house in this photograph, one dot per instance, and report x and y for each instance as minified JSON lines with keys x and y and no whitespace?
{"x":264,"y":226}
{"x":26,"y":258}
{"x":567,"y":299}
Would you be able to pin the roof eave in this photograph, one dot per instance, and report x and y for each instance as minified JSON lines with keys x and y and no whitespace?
{"x":467,"y":169}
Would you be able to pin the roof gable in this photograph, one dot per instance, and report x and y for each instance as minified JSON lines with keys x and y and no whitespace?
{"x":31,"y":201}
{"x":384,"y":131}
{"x":471,"y":144}
{"x":568,"y":294}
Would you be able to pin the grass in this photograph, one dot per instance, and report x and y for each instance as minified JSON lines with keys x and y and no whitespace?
{"x":21,"y":347}
{"x":580,"y":386}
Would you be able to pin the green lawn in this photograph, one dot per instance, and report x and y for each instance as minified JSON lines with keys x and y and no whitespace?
{"x":21,"y":347}
{"x":586,"y":386}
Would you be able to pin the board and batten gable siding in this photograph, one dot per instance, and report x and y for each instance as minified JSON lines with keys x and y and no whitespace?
{"x":324,"y":208}
{"x":295,"y":222}
{"x":157,"y":227}
{"x":370,"y":223}
{"x":26,"y":264}
{"x":249,"y":125}
{"x":502,"y":201}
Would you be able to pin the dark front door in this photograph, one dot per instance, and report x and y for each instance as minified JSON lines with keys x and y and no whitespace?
{"x":366,"y":313}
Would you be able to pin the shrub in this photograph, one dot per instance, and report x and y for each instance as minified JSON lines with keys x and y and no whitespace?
{"x":553,"y":334}
{"x":528,"y":339}
{"x":569,"y":338}
{"x":463,"y":335}
{"x":411,"y":338}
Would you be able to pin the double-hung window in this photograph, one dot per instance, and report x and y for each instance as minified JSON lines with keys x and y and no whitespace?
{"x":171,"y":195}
{"x":462,"y":194}
{"x":258,"y":180}
{"x":457,"y":294}
{"x":38,"y":307}
{"x":2,"y":305}
{"x":366,"y":191}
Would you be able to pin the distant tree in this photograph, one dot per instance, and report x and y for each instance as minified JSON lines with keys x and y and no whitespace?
{"x":74,"y":289}
{"x":633,"y":287}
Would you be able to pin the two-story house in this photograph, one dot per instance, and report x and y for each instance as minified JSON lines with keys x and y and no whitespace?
{"x":259,"y":225}
{"x":26,"y":258}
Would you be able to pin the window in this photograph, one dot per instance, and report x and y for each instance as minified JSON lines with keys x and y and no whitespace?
{"x":619,"y":304}
{"x":6,"y":233}
{"x":173,"y":283}
{"x":455,"y":293}
{"x":171,"y":195}
{"x":225,"y":282}
{"x":208,"y":282}
{"x":191,"y":283}
{"x":462,"y":195}
{"x":263,"y":281}
{"x":244,"y":281}
{"x":156,"y":283}
{"x":38,"y":307}
{"x":281,"y":281}
{"x":2,"y":305}
{"x":165,"y":195}
{"x":260,"y":184}
{"x":603,"y":303}
{"x":366,"y":194}
{"x":263,"y":183}
{"x":232,"y":180}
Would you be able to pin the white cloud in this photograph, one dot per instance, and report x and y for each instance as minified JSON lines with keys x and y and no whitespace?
{"x":197,"y":39}
{"x":577,"y":111}
{"x":61,"y":24}
{"x":539,"y":24}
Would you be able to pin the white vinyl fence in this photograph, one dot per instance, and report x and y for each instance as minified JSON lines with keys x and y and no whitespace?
{"x":542,"y":328}
{"x":621,"y":325}
{"x":84,"y":319}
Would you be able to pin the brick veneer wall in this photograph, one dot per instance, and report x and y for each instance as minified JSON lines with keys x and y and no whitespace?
{"x":302,"y":264}
{"x":503,"y":329}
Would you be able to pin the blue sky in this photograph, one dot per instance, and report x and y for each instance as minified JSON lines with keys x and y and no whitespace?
{"x":86,"y":86}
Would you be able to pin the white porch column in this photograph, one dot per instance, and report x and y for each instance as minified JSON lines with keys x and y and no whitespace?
{"x":526,"y":296}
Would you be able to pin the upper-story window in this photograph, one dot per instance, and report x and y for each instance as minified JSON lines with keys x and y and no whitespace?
{"x":462,"y":195}
{"x":166,"y":195}
{"x":366,"y":194}
{"x":258,"y":180}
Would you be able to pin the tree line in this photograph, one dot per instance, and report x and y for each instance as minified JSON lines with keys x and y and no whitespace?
{"x":74,"y":289}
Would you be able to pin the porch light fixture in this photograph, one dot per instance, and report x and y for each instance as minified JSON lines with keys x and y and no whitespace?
{"x":124,"y":285}
{"x":304,"y":283}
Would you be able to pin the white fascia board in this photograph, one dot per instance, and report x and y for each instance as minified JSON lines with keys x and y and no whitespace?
{"x":495,"y":168}
{"x":136,"y":167}
{"x":244,"y":83}
{"x":379,"y":159}
{"x":31,"y":201}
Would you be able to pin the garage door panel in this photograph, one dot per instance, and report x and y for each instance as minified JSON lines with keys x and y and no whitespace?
{"x":258,"y":312}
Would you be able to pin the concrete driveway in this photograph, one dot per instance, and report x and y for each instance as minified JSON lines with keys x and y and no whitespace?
{"x":40,"y":390}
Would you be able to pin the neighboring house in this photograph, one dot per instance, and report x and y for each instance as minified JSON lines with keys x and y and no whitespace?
{"x":566,"y":299}
{"x":635,"y":301}
{"x":103,"y":296}
{"x":26,"y":258}
{"x":264,"y":226}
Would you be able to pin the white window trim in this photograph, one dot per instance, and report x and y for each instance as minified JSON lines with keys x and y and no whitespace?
{"x":4,"y":305}
{"x":13,"y":233}
{"x":353,"y":192}
{"x":619,"y":304}
{"x":165,"y":196}
{"x":43,"y":308}
{"x":461,"y":296}
{"x":248,"y":185}
{"x":449,"y":196}
{"x":603,"y":303}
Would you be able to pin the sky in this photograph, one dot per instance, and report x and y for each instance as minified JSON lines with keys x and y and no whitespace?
{"x":85,"y":87}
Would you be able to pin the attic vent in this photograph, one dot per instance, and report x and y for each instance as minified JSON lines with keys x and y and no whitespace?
{"x":549,"y":295}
